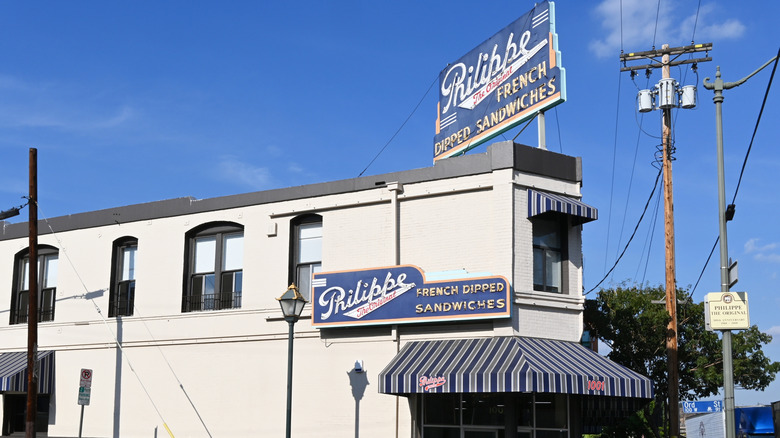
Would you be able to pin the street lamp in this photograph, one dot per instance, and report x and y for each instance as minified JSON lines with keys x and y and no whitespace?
{"x":11,"y":212}
{"x":725,"y":214}
{"x":292,"y":303}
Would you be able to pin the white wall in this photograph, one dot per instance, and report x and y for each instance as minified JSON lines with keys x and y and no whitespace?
{"x":232,"y":363}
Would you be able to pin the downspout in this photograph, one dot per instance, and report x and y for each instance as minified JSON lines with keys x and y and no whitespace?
{"x":395,"y":188}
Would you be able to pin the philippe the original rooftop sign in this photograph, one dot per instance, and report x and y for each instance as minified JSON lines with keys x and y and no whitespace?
{"x":400,"y":294}
{"x":499,"y":84}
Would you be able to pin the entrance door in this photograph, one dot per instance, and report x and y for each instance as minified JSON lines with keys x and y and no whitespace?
{"x":15,"y":413}
{"x":14,"y":408}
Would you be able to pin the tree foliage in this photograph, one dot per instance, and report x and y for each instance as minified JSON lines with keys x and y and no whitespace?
{"x":627,"y":320}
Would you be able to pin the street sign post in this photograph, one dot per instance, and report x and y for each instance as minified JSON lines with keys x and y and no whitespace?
{"x":701,"y":407}
{"x":85,"y":389}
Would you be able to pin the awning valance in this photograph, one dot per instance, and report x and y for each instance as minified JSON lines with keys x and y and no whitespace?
{"x":13,"y":371}
{"x":542,"y":202}
{"x":508,"y":364}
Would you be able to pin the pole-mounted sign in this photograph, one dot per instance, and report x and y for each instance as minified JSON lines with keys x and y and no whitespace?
{"x":502,"y":82}
{"x":85,"y":386}
{"x":726,"y":311}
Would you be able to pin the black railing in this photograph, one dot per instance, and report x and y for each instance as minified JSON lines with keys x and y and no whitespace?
{"x":20,"y":316}
{"x":198,"y":303}
{"x":45,"y":306}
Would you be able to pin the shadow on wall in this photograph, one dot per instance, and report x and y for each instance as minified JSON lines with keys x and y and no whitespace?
{"x":358,"y":380}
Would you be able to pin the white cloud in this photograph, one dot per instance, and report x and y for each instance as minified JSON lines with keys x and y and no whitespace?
{"x":294,"y":168}
{"x":774,"y":330}
{"x":240,"y":172}
{"x":751,"y":246}
{"x":762,"y":253}
{"x":640,"y":24}
{"x":12,"y":84}
{"x":68,"y":120}
{"x":633,"y":22}
{"x":39,"y":105}
{"x":273,"y":150}
{"x":770,"y":258}
{"x":707,"y":30}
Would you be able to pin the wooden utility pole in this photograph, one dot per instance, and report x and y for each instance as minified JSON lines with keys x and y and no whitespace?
{"x":32,"y":297}
{"x":671,"y":280}
{"x":665,"y":53}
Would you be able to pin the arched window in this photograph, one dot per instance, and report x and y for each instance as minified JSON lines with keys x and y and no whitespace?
{"x":48,"y":257}
{"x":214,"y":267}
{"x":305,"y":251}
{"x":121,"y":297}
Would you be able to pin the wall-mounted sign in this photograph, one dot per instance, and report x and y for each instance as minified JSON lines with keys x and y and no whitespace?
{"x":726,"y":311}
{"x":400,"y":294}
{"x":499,"y":84}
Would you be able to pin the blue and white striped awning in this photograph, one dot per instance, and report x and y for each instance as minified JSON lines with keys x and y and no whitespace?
{"x":13,"y":371}
{"x":542,"y":202}
{"x":508,"y":364}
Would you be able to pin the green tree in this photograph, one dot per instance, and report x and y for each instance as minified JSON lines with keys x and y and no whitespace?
{"x":626,"y":319}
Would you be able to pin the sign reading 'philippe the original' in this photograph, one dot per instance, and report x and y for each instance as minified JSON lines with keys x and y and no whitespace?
{"x":726,"y":311}
{"x":501,"y":83}
{"x":400,"y":294}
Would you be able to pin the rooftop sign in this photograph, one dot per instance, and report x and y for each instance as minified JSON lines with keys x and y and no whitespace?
{"x":400,"y":294}
{"x":500,"y":83}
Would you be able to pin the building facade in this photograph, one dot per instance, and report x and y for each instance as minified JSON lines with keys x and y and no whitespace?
{"x":172,"y":306}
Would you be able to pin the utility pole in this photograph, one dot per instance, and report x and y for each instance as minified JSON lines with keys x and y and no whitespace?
{"x":32,"y":296}
{"x":728,"y":367}
{"x":667,"y":97}
{"x":671,"y":279}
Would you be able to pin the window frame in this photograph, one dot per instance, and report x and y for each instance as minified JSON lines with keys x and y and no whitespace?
{"x":219,"y":299}
{"x":45,"y":295}
{"x":296,"y":224}
{"x":560,"y":223}
{"x":117,"y":307}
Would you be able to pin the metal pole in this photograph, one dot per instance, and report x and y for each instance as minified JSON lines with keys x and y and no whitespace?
{"x":81,"y":420}
{"x":32,"y":298}
{"x":290,"y":336}
{"x":542,"y":131}
{"x":671,"y":281}
{"x":728,"y":366}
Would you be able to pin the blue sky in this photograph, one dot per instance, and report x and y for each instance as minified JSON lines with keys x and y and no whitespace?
{"x":131,"y":102}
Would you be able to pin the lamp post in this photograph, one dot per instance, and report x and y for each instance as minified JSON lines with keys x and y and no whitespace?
{"x":292,"y":303}
{"x":728,"y":366}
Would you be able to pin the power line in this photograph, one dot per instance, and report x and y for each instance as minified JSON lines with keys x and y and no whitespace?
{"x":103,"y":319}
{"x":612,"y":182}
{"x":657,"y":14}
{"x":400,"y":127}
{"x":655,"y":186}
{"x":654,"y":227}
{"x":755,"y":129}
{"x":744,"y":163}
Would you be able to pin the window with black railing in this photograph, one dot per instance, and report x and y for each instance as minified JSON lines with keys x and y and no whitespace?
{"x":46,"y":279}
{"x":121,"y":297}
{"x":215,"y":259}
